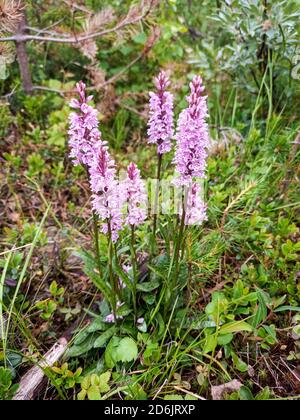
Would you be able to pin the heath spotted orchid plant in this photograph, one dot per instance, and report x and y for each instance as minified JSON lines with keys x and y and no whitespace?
{"x":126,"y":273}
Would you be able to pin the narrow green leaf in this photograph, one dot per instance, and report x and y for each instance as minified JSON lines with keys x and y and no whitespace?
{"x":83,"y":348}
{"x":288,"y":308}
{"x":261,"y":311}
{"x":235,"y":326}
{"x":102,"y":340}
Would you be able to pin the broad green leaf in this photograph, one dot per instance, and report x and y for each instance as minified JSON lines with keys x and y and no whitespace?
{"x":238,"y":289}
{"x":225,"y":339}
{"x":151,"y":353}
{"x":83,"y":348}
{"x":93,"y":393}
{"x":149,"y":299}
{"x":210,"y":344}
{"x":244,"y":300}
{"x":110,"y":354}
{"x":239,"y":364}
{"x":95,"y":381}
{"x":123,"y":310}
{"x":81,"y":395}
{"x":103,"y":382}
{"x":96,"y":325}
{"x":5,"y":377}
{"x":148,"y":286}
{"x":245,"y":394}
{"x":127,"y":350}
{"x":217,"y":306}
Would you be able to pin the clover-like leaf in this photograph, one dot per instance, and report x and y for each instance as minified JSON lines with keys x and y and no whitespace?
{"x":127,"y":350}
{"x":94,"y":393}
{"x":103,"y":381}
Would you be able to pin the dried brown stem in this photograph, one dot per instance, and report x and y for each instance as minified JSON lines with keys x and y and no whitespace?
{"x":22,"y":56}
{"x":64,"y":39}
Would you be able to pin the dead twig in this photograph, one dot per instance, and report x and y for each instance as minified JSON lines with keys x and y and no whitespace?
{"x":63,"y":39}
{"x":98,"y":87}
{"x":32,"y":380}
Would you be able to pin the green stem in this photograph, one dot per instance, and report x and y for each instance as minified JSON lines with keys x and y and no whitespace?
{"x":178,"y":243}
{"x":171,"y":280}
{"x":155,"y":218}
{"x":175,"y":259}
{"x":111,"y":274}
{"x":134,"y":270}
{"x":178,"y":246}
{"x":96,"y":239}
{"x":96,"y":234}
